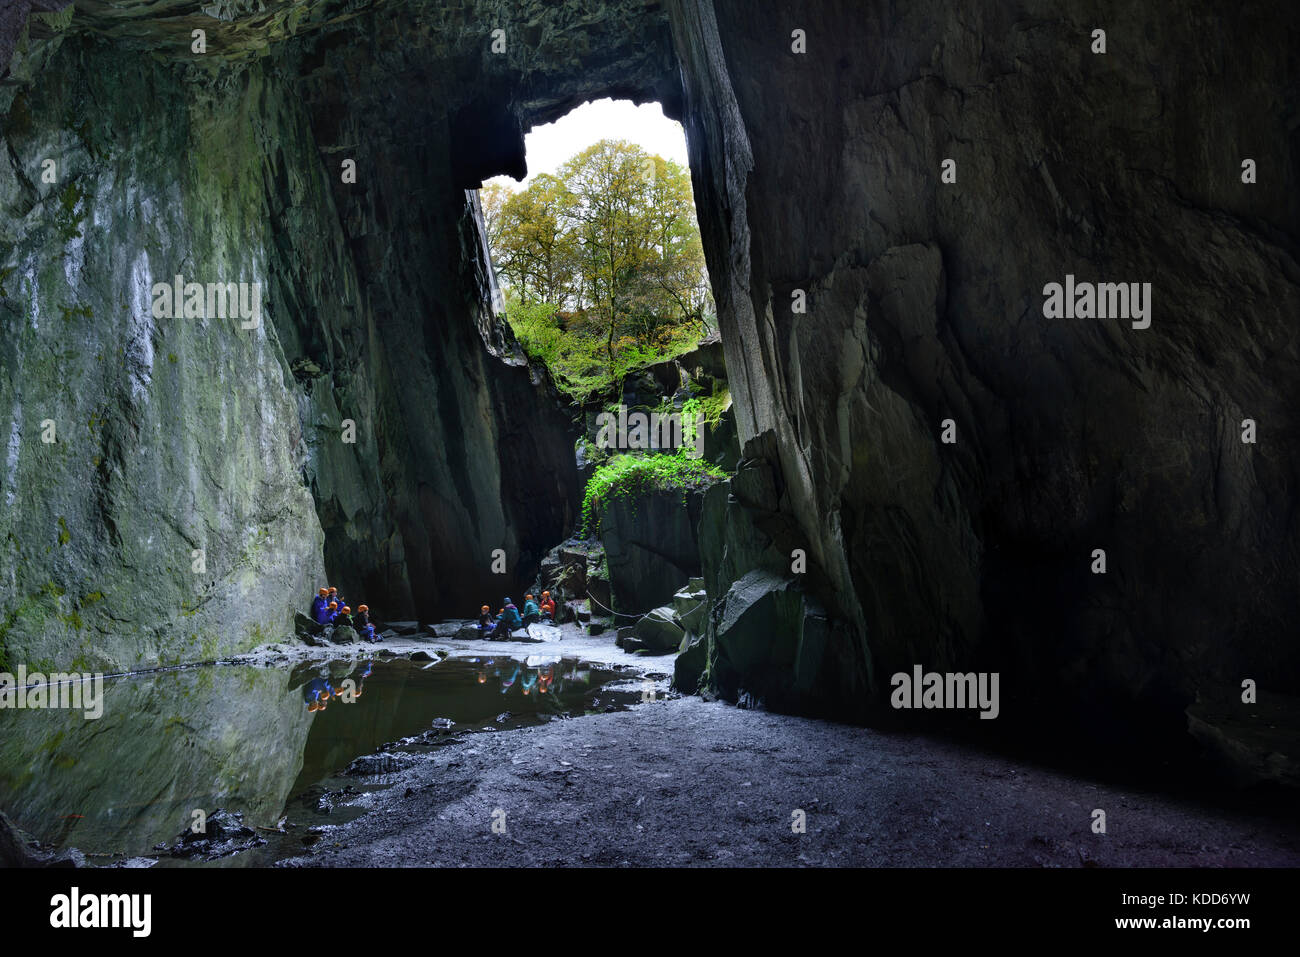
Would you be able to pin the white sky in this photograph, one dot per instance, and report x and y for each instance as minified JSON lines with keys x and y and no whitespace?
{"x":548,"y":147}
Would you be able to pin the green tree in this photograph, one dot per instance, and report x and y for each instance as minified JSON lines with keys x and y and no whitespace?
{"x":612,"y":245}
{"x":535,"y":246}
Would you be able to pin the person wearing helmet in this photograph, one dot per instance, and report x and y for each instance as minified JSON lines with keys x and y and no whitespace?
{"x":343,"y":618}
{"x":362,"y":617}
{"x":532,"y":613}
{"x":548,"y":607}
{"x":508,"y":621}
{"x":316,"y":693}
{"x":335,"y":596}
{"x":484,"y":619}
{"x":320,"y":607}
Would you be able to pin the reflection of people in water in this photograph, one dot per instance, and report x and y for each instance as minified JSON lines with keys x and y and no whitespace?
{"x":317,"y":694}
{"x":545,"y":679}
{"x":530,"y":679}
{"x":359,"y":678}
{"x":507,"y":683}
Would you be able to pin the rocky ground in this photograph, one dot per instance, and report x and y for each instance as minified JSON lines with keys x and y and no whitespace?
{"x":682,"y":781}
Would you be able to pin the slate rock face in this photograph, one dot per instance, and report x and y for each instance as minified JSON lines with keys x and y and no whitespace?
{"x":651,"y":547}
{"x":817,"y":179}
{"x":925,"y":303}
{"x":658,"y":631}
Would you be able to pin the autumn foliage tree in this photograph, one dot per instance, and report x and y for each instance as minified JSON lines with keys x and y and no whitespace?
{"x":602,"y":264}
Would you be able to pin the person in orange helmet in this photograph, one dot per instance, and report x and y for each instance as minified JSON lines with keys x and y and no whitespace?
{"x":320,"y":606}
{"x":362,"y":617}
{"x":485,"y":619}
{"x":548,"y":607}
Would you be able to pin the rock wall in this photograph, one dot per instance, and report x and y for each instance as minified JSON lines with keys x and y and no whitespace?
{"x":175,"y":435}
{"x":924,"y":303}
{"x":133,"y":443}
{"x":816,"y":173}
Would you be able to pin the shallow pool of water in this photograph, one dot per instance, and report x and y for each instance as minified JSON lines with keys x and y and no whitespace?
{"x":249,"y":739}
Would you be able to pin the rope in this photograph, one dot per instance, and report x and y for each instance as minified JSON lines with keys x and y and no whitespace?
{"x":621,"y":614}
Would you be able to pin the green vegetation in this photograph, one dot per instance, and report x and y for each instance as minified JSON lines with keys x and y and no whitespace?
{"x":576,"y":351}
{"x":66,"y":218}
{"x":72,"y":312}
{"x":629,"y":476}
{"x":602,"y":266}
{"x":33,"y":611}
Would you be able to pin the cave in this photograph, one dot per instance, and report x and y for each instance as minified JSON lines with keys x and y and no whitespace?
{"x":938,"y":466}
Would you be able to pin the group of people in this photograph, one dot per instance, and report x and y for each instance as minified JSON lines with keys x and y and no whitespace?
{"x":545,"y":677}
{"x":318,"y":692}
{"x":509,"y":617}
{"x":329,"y":608}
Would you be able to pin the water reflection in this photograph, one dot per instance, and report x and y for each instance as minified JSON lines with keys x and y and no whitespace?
{"x":246,"y":739}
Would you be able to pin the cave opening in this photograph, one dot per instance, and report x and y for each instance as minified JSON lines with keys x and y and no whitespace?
{"x":597,"y":277}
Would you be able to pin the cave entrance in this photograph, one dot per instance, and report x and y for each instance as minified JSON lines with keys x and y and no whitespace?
{"x":600,"y":277}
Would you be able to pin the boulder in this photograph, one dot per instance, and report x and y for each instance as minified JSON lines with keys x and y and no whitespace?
{"x":690,"y":664}
{"x":659,"y":631}
{"x":598,"y":585}
{"x":383,"y":763}
{"x":343,"y":635}
{"x":15,"y":847}
{"x":404,"y":627}
{"x":543,"y":632}
{"x":220,"y":825}
{"x":692,"y":608}
{"x":651,"y":547}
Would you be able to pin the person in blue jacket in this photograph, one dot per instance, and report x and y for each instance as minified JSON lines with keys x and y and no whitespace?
{"x":320,"y":607}
{"x":317,"y":694}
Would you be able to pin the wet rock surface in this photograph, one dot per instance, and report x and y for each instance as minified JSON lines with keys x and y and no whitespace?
{"x":222,"y":834}
{"x":925,"y":304}
{"x":688,"y":782}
